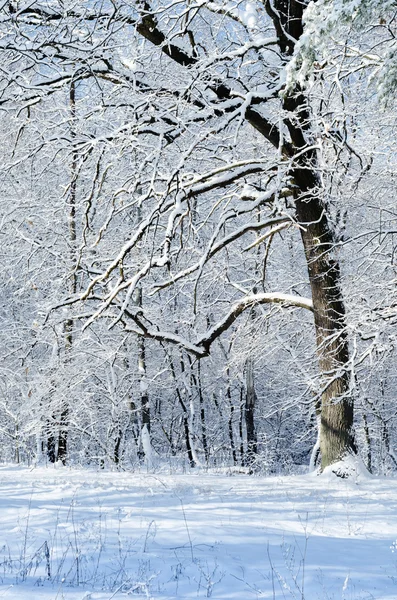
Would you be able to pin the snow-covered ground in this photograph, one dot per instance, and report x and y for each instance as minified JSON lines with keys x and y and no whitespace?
{"x":74,"y":534}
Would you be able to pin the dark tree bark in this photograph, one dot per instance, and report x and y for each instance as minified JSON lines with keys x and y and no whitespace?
{"x":336,"y":438}
{"x":145,"y":404}
{"x":368,"y":443}
{"x":231,"y":417}
{"x":240,"y":426}
{"x":145,"y":419}
{"x":319,"y":242}
{"x":185,"y":414}
{"x":249,"y":413}
{"x":196,"y":380}
{"x":51,"y":447}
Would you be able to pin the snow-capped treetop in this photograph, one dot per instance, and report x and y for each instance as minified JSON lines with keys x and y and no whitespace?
{"x":330,"y":23}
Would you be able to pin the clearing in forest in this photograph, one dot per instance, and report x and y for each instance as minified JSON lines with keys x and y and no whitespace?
{"x":79,"y":534}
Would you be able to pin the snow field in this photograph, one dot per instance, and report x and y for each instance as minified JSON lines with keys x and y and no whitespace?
{"x":78,"y":534}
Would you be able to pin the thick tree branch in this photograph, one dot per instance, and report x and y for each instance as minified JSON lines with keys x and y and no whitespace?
{"x":201,"y":347}
{"x":148,"y":28}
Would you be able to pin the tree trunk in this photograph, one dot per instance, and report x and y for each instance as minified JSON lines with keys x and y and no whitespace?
{"x":186,"y":429}
{"x":63,"y":435}
{"x":240,"y":426}
{"x":145,"y":405}
{"x":69,"y":323}
{"x":185,"y":416}
{"x":336,"y":438}
{"x":117,"y":445}
{"x":250,"y":401}
{"x":231,"y":416}
{"x":197,"y":383}
{"x":188,"y":415}
{"x":145,"y":418}
{"x":368,"y":443}
{"x":143,"y":391}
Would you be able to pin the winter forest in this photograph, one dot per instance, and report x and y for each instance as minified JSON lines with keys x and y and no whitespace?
{"x":198,"y":311}
{"x":198,"y":233}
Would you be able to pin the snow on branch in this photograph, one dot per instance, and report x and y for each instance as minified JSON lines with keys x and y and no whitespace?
{"x":148,"y":28}
{"x":248,"y":302}
{"x":201,"y":347}
{"x":225,"y":241}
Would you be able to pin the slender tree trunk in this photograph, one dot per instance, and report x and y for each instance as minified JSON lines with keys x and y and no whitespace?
{"x":185,"y":414}
{"x":230,"y":419}
{"x":186,"y":429}
{"x":240,"y":426}
{"x":64,"y":415}
{"x":188,"y":415}
{"x":250,"y":401}
{"x":16,"y":437}
{"x":133,"y":422}
{"x":117,"y":445}
{"x":145,"y":420}
{"x":203,"y":426}
{"x":63,"y":435}
{"x":145,"y":405}
{"x":316,"y":448}
{"x":368,"y":443}
{"x":197,"y":383}
{"x":51,"y":442}
{"x":69,"y":323}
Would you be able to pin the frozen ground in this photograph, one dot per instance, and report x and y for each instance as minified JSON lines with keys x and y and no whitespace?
{"x":74,"y":534}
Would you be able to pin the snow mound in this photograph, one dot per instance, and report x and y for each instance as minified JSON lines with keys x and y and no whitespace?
{"x":350,"y":467}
